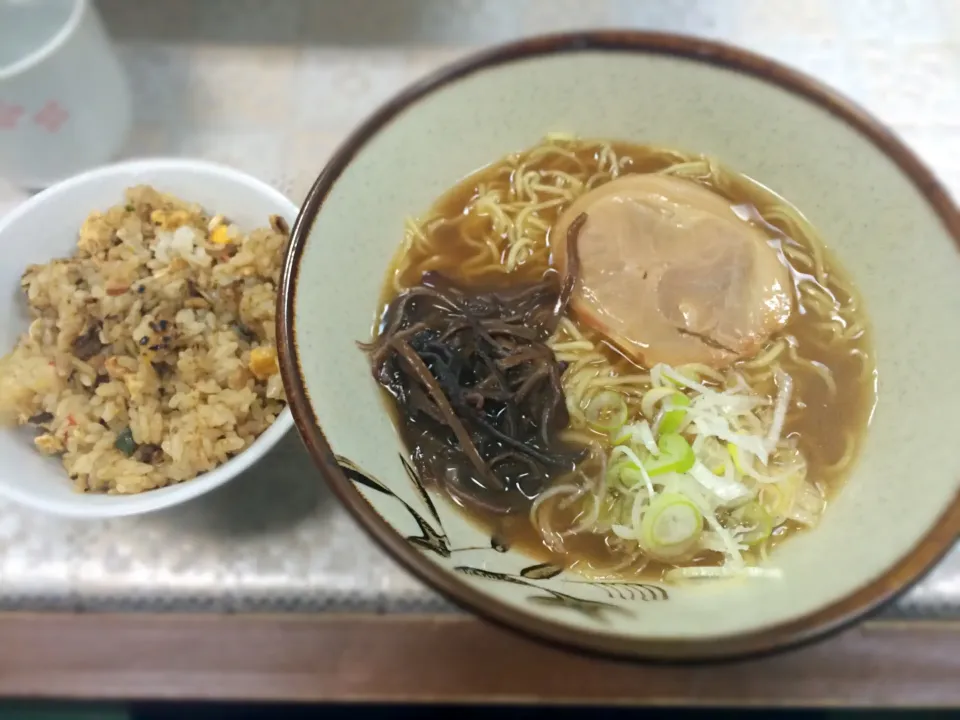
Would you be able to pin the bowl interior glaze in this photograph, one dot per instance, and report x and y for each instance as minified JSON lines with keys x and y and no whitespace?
{"x":878,"y":209}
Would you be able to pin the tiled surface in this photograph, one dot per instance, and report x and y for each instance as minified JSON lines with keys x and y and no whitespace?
{"x":272,"y":86}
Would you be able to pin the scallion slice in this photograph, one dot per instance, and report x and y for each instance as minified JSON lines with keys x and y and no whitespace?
{"x":606,"y":412}
{"x":676,"y":455}
{"x":673,"y":418}
{"x":671,"y":524}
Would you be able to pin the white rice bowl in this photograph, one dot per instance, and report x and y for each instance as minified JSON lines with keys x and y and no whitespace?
{"x":132,"y":439}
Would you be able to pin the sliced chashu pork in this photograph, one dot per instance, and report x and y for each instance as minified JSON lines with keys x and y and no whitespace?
{"x":669,"y":273}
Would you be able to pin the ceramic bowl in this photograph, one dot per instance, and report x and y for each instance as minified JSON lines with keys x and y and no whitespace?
{"x":45,"y":227}
{"x":892,"y":226}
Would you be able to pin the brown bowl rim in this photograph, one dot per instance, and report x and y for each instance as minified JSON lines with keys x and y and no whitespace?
{"x":812,"y":626}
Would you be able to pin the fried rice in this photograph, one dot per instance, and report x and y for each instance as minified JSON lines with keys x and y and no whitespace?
{"x":151,"y":357}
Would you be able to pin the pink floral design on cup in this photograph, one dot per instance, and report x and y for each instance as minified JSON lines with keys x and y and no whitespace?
{"x":51,"y":117}
{"x":10,"y":115}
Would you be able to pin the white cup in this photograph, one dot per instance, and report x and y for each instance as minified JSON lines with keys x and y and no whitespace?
{"x":64,"y":100}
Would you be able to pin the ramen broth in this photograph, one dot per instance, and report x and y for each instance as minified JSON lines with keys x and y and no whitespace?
{"x":828,"y":358}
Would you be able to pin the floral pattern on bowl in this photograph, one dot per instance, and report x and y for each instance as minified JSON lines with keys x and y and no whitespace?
{"x":552,"y":585}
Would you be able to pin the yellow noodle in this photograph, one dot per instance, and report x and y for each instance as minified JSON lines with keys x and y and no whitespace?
{"x":567,"y":326}
{"x":704,"y":372}
{"x":767,"y":357}
{"x":816,"y":367}
{"x":516,"y":254}
{"x":627,"y":380}
{"x":849,"y":448}
{"x":571,"y":345}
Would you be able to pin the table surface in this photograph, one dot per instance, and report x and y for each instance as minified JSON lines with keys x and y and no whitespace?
{"x":446,"y":659}
{"x":272,"y":87}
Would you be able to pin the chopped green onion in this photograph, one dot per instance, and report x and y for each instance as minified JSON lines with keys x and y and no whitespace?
{"x":668,"y":381}
{"x":672,"y":419}
{"x":644,"y":434}
{"x":676,"y":455}
{"x":777,"y":498}
{"x":125,"y":443}
{"x":606,"y":412}
{"x":671,"y":524}
{"x":624,"y":474}
{"x":615,"y":472}
{"x":677,"y":379}
{"x":739,"y":462}
{"x":631,"y":476}
{"x":726,"y":489}
{"x":758,"y":519}
{"x":638,"y":432}
{"x":634,"y":462}
{"x":653,"y":397}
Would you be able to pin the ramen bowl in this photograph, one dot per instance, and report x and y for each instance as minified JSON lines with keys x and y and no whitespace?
{"x":884,"y":216}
